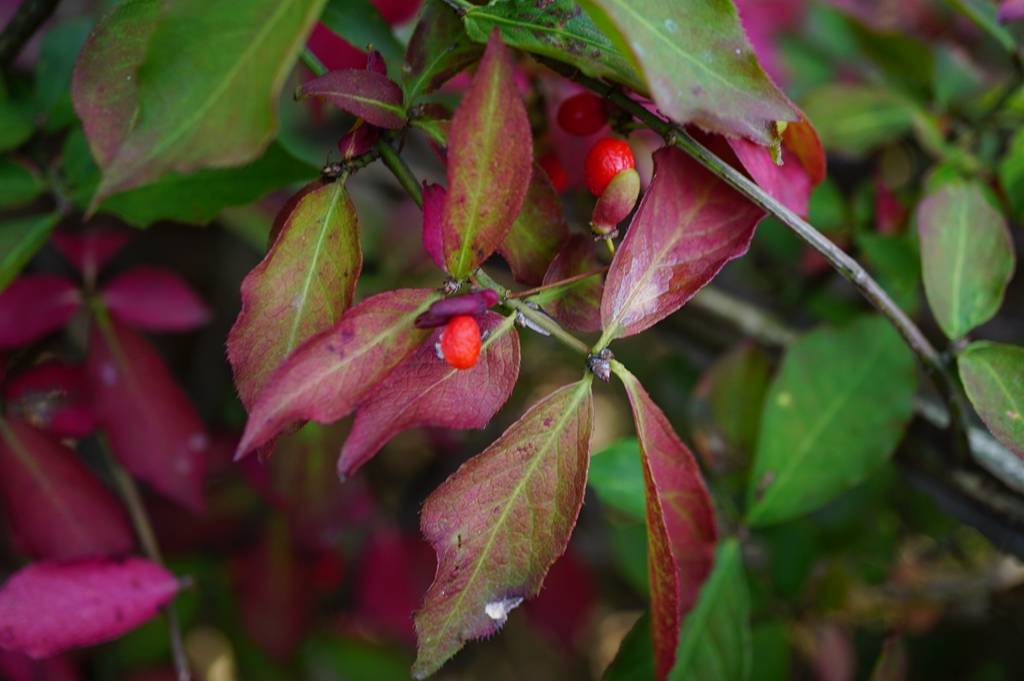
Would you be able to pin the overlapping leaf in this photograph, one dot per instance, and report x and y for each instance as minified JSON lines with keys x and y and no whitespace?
{"x":532,"y":477}
{"x":35,"y":305}
{"x":302,"y":286}
{"x":19,"y":183}
{"x":424,"y":390}
{"x":489,"y":164}
{"x":20,"y":239}
{"x":993,"y":376}
{"x":537,"y":233}
{"x":689,"y":224}
{"x":433,"y":217}
{"x":361,"y":92}
{"x":439,"y":48}
{"x":854,"y":119}
{"x":579,"y":305}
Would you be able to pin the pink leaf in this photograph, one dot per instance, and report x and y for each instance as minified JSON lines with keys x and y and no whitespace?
{"x":434,"y":196}
{"x":52,"y":396}
{"x":34,"y":306}
{"x":363,"y":93}
{"x":47,"y":608}
{"x":55,"y":507}
{"x":537,"y":233}
{"x":91,"y":250}
{"x":393,"y":574}
{"x":681,"y":531}
{"x":689,"y":224}
{"x":152,"y":427}
{"x":578,"y":307}
{"x":357,"y":141}
{"x":532,"y":477}
{"x":490,"y":159}
{"x":330,"y":374}
{"x":1011,"y":10}
{"x":564,"y":607}
{"x":154,"y":299}
{"x":424,"y":390}
{"x":334,"y":51}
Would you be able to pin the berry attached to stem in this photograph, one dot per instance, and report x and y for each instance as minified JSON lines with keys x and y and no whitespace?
{"x":606,"y":159}
{"x":583,"y":114}
{"x":460,"y":342}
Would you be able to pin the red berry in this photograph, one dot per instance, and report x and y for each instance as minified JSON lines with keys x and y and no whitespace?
{"x":606,"y":159}
{"x":555,"y":170}
{"x":583,"y":114}
{"x":460,"y":342}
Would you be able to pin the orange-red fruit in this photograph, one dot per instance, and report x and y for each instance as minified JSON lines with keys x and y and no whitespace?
{"x":555,"y":170}
{"x":460,"y":342}
{"x":606,"y":159}
{"x":583,"y":114}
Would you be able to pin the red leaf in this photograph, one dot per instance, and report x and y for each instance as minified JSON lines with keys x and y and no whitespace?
{"x":689,"y":224}
{"x":55,"y":507}
{"x":47,"y":608}
{"x":500,"y":521}
{"x":91,"y":250}
{"x":330,"y":374}
{"x":426,"y":391}
{"x":394,"y":573}
{"x":490,"y":159}
{"x":334,"y":51}
{"x":563,"y":607}
{"x":366,"y":94}
{"x":537,"y":233}
{"x":16,"y":667}
{"x":434,"y":196}
{"x":52,"y":396}
{"x":154,"y":299}
{"x":34,"y":306}
{"x":579,"y":307}
{"x":681,"y":531}
{"x":152,"y":427}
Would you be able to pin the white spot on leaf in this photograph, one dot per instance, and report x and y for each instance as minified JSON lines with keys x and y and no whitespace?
{"x":671,"y":26}
{"x":499,"y":610}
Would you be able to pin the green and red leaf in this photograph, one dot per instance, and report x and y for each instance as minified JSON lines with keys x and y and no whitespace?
{"x":577,"y":306}
{"x":439,"y":49}
{"x":993,"y":376}
{"x":537,"y":233}
{"x":369,"y":95}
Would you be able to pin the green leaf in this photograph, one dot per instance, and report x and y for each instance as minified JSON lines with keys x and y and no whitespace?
{"x":439,"y":48}
{"x":993,"y":376}
{"x":1011,"y":173}
{"x":715,"y":640}
{"x":905,"y":61}
{"x":359,"y":22}
{"x":555,"y":29}
{"x":698,"y":63}
{"x":19,"y":240}
{"x":635,"y":659}
{"x":15,"y":123}
{"x":854,"y":119}
{"x":617,"y":477}
{"x":58,"y":51}
{"x":538,"y":232}
{"x":19,"y":183}
{"x":834,"y":413}
{"x":896,"y":263}
{"x":332,"y":657}
{"x":967,"y":256}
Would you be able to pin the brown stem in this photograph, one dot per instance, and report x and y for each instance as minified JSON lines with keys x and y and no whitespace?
{"x":556,"y":284}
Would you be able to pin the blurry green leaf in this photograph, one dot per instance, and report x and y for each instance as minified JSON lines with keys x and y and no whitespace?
{"x":904,"y":60}
{"x":895,"y":262}
{"x":629,"y":548}
{"x":1011,"y":173}
{"x":983,"y":13}
{"x":993,"y":376}
{"x":359,"y":22}
{"x":955,"y":76}
{"x":967,"y":256}
{"x":57,"y":54}
{"x":19,"y":240}
{"x":771,"y":647}
{"x":618,"y":478}
{"x":854,"y":119}
{"x":19,"y":184}
{"x":834,"y":413}
{"x":635,"y":659}
{"x":348,"y":659}
{"x":15,"y":123}
{"x":714,"y":642}
{"x":827,"y":209}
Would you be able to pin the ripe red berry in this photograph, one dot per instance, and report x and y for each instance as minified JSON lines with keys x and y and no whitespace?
{"x":606,"y":159}
{"x":460,"y":342}
{"x":555,"y":170}
{"x":583,"y":114}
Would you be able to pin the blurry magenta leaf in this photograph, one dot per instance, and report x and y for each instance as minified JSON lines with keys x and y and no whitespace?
{"x":533,"y":476}
{"x":1011,"y":10}
{"x":563,"y":610}
{"x":154,"y":299}
{"x":993,"y":376}
{"x":192,"y":107}
{"x":331,"y":373}
{"x":854,"y":119}
{"x":360,"y":92}
{"x":577,"y":306}
{"x":715,"y":640}
{"x":47,"y":608}
{"x":89,"y":251}
{"x":52,"y":396}
{"x":490,"y":158}
{"x":439,"y":48}
{"x":617,"y":476}
{"x":834,"y":413}
{"x":56,"y":509}
{"x":424,"y":390}
{"x":681,"y":531}
{"x":20,"y":239}
{"x":19,"y":183}
{"x":434,"y":196}
{"x":689,"y":224}
{"x":967,"y":256}
{"x":537,"y":233}
{"x":302,"y":286}
{"x":18,"y":667}
{"x":361,"y":24}
{"x":151,"y":425}
{"x":395,"y":569}
{"x":35,"y":305}
{"x":698,"y":63}
{"x":635,"y":659}
{"x":1011,"y":173}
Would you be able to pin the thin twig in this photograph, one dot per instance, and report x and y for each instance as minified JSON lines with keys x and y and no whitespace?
{"x":557,"y":284}
{"x":402,"y":172}
{"x":312,"y":62}
{"x":26,"y":21}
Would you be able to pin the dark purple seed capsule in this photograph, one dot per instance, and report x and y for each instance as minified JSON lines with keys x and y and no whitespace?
{"x":474,"y":303}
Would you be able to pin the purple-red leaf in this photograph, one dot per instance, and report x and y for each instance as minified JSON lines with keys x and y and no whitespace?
{"x":500,"y":521}
{"x":681,"y":533}
{"x":152,"y":427}
{"x":367,"y":94}
{"x":301,"y":288}
{"x":434,"y":196}
{"x":52,"y":396}
{"x":1011,"y":10}
{"x":55,"y":507}
{"x":357,"y":141}
{"x":424,"y":390}
{"x":329,"y":375}
{"x":490,"y":158}
{"x":579,"y":305}
{"x":537,"y":233}
{"x":474,"y":303}
{"x":689,"y":224}
{"x":35,"y":305}
{"x":18,"y":667}
{"x":154,"y":299}
{"x":47,"y":608}
{"x":90,"y":250}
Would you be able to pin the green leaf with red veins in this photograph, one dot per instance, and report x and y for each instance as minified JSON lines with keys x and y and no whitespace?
{"x":993,"y":376}
{"x":689,"y":224}
{"x":490,"y":159}
{"x":424,"y":390}
{"x":208,"y":78}
{"x":302,"y":286}
{"x":681,"y":533}
{"x":439,"y":48}
{"x":967,"y":256}
{"x":328,"y":376}
{"x":366,"y":94}
{"x":579,"y":305}
{"x":698,"y":64}
{"x":500,"y":521}
{"x":537,"y":233}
